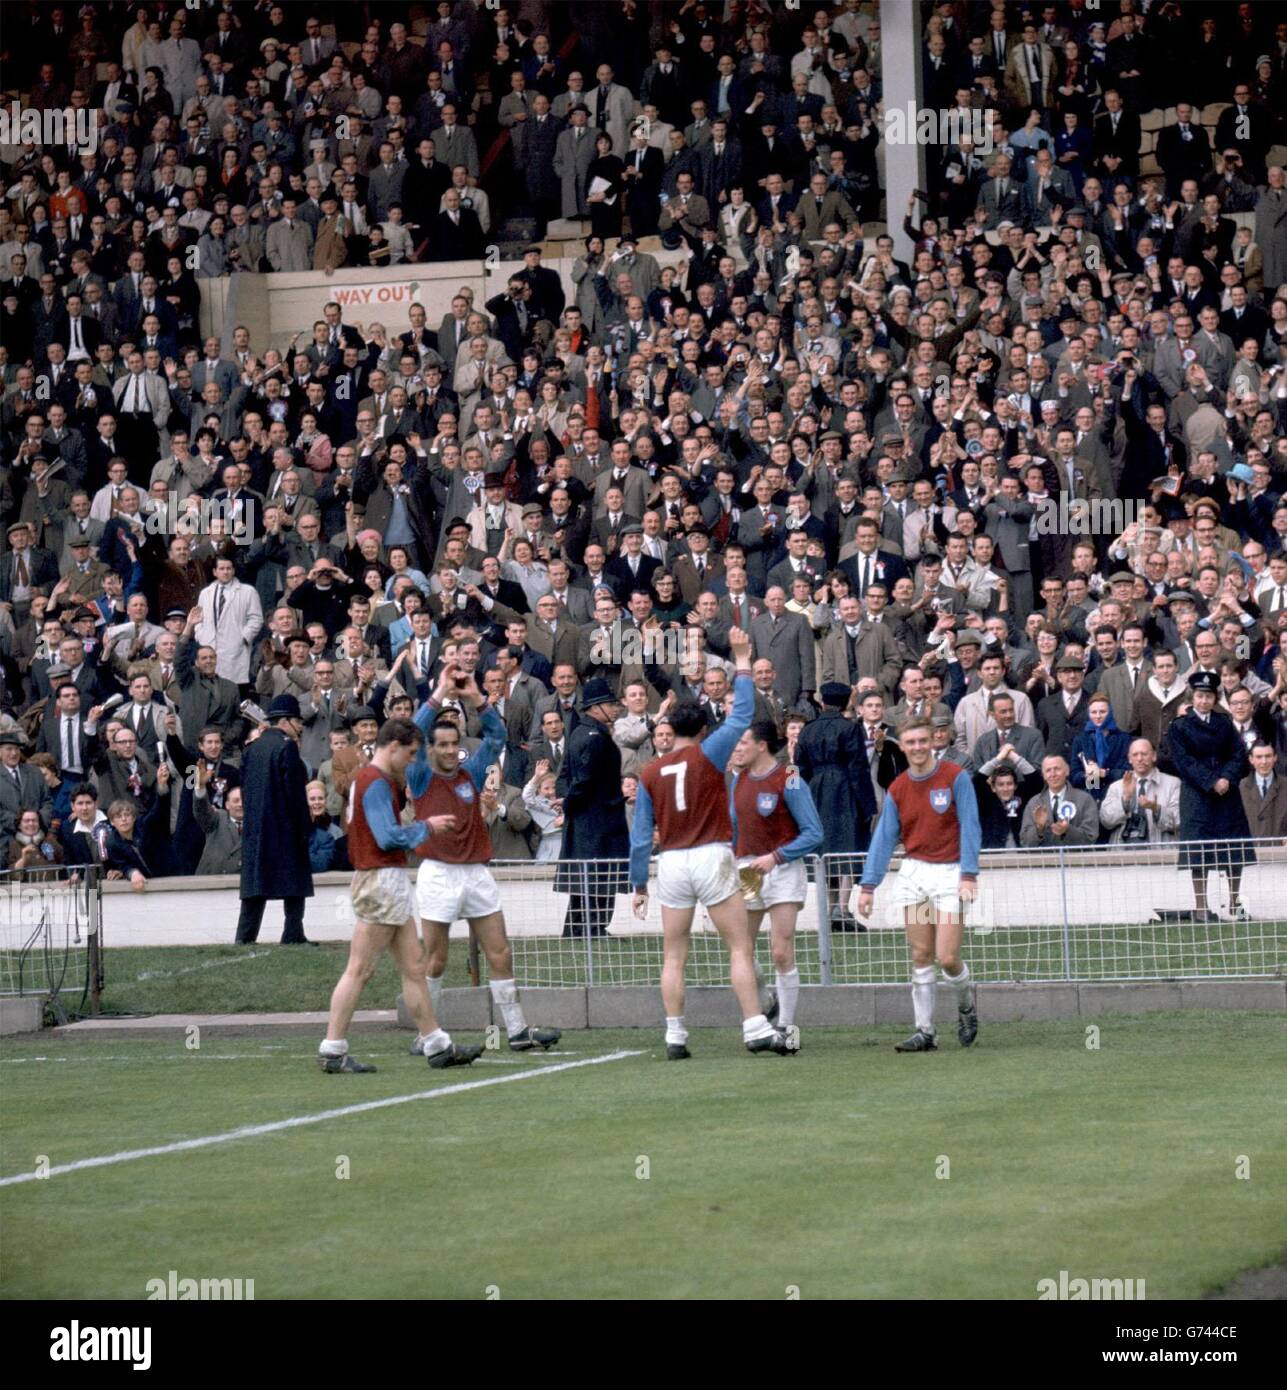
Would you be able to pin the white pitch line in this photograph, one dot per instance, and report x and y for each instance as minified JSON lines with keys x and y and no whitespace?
{"x":254,"y":1131}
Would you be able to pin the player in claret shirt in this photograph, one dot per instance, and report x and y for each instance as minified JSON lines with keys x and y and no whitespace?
{"x":453,"y":880}
{"x":381,"y":892}
{"x":931,"y":808}
{"x":775,"y":825}
{"x":684,"y":796}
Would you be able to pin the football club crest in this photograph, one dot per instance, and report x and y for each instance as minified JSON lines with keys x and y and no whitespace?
{"x":465,"y":790}
{"x":765,"y":803}
{"x":940,"y":798}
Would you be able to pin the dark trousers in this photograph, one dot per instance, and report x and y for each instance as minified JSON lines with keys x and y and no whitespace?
{"x":252,"y":914}
{"x":588,"y":914}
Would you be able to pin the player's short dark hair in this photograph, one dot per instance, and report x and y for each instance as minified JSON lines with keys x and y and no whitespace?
{"x":688,"y":719}
{"x":400,"y":731}
{"x":444,"y":721}
{"x":766,"y":731}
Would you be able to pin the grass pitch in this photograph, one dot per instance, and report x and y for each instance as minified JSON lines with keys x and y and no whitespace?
{"x":847,"y":1171}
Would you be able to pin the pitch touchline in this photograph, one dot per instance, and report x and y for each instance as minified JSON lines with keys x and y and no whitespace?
{"x":254,"y":1131}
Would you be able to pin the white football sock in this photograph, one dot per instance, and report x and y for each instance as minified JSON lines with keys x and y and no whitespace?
{"x":923,"y":979}
{"x":788,"y":996}
{"x":433,"y":1043}
{"x":761,"y":993}
{"x":675,"y":1031}
{"x":757,"y":1026}
{"x":961,"y":984}
{"x":505,"y":996}
{"x":434,"y":983}
{"x":333,"y":1047}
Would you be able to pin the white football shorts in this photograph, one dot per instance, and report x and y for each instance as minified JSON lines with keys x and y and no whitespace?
{"x":449,"y":892}
{"x":919,"y":882}
{"x":784,"y":883}
{"x":705,"y":874}
{"x":382,"y":896}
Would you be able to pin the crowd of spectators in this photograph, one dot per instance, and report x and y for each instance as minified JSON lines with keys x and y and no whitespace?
{"x":1028,"y":480}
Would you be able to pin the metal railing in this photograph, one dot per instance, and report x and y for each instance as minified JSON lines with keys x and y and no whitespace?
{"x":51,"y":937}
{"x":1095,"y":913}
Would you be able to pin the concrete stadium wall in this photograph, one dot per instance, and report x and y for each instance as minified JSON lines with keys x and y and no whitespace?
{"x":276,"y":306}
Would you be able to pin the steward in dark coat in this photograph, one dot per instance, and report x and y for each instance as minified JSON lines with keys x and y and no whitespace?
{"x":1203,"y":752}
{"x":832,"y":758}
{"x":594,"y":818}
{"x":274,"y":862}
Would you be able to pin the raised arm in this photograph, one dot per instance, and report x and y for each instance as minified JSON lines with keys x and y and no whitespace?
{"x":377,"y":806}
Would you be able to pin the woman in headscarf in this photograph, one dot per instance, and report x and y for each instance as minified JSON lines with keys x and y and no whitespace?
{"x":1098,"y":757}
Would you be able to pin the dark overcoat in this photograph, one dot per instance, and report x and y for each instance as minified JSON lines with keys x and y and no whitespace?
{"x":274,"y":862}
{"x":594,"y":812}
{"x":1202,"y":754}
{"x":832,"y":759}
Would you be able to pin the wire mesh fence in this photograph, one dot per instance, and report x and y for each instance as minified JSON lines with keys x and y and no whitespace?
{"x":50,"y":936}
{"x":1093,"y":913}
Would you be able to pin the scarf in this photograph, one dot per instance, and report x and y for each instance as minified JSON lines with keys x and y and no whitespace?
{"x":1109,"y":726}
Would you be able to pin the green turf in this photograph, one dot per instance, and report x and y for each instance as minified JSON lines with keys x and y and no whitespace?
{"x":817,"y":1171}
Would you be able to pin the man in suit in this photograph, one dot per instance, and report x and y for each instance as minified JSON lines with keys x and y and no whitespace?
{"x":611,"y":107}
{"x":565,"y":699}
{"x":1183,"y":150}
{"x":855,"y":649}
{"x":1116,"y":141}
{"x":630,"y":568}
{"x":22,"y":787}
{"x":289,"y":242}
{"x":1009,"y":516}
{"x":1063,"y":715}
{"x":454,"y":143}
{"x":1048,"y":187}
{"x":554,"y":634}
{"x":551,"y":744}
{"x":644,"y":168}
{"x":1264,"y":794}
{"x":506,"y":817}
{"x":24,"y":569}
{"x":71,"y":666}
{"x":737,"y":606}
{"x":67,"y":734}
{"x":223,"y":829}
{"x":1020,"y":745}
{"x":1146,"y":790}
{"x":820,"y":207}
{"x":324,"y":709}
{"x":785,"y":639}
{"x":695,"y":571}
{"x":456,"y":233}
{"x":572,"y":599}
{"x":1059,"y":814}
{"x":1001,"y":196}
{"x":686,"y":215}
{"x":1030,"y":70}
{"x":869,"y":565}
